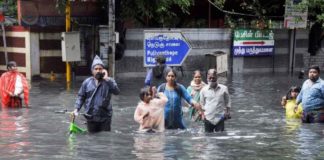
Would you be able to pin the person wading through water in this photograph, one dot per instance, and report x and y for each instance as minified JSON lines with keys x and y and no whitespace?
{"x":13,"y":87}
{"x":149,"y":112}
{"x":173,"y":109}
{"x":95,"y":94}
{"x":155,"y":76}
{"x":311,"y":97}
{"x":216,"y":103}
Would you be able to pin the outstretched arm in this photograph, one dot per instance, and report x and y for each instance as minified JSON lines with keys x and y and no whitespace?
{"x":283,"y":101}
{"x":189,"y":99}
{"x":161,"y":100}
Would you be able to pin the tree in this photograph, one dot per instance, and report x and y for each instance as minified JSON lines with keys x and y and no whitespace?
{"x":9,"y":8}
{"x":155,"y":13}
{"x":315,"y":9}
{"x":255,"y":11}
{"x":265,"y":9}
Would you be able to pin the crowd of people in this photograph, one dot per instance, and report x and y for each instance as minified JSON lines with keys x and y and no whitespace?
{"x":160,"y":105}
{"x":209,"y":103}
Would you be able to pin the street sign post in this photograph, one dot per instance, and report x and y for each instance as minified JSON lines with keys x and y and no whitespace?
{"x":253,"y":42}
{"x":295,"y":17}
{"x":170,"y":44}
{"x":2,"y":20}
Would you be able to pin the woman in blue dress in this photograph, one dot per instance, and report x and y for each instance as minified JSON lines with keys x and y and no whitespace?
{"x":175,"y":92}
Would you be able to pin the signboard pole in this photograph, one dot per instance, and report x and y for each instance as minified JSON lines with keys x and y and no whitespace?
{"x":67,"y":29}
{"x":111,"y":38}
{"x":4,"y":42}
{"x":292,"y":45}
{"x":294,"y":18}
{"x":2,"y":20}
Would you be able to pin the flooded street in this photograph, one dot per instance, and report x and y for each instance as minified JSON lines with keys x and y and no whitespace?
{"x":258,"y":128}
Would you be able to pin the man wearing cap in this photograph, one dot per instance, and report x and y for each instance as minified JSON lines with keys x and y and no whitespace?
{"x":13,"y":87}
{"x":95,"y":94}
{"x":155,"y":76}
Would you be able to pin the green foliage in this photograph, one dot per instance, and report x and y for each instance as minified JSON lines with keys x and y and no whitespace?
{"x":9,"y":8}
{"x":315,"y":9}
{"x":60,"y":6}
{"x":198,"y":23}
{"x":155,"y":13}
{"x":219,"y":3}
{"x":249,"y":13}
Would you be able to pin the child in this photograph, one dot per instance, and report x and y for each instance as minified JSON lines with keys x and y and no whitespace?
{"x":289,"y":102}
{"x":149,"y":112}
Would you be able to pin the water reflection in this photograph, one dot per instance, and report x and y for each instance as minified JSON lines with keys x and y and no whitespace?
{"x":310,"y":142}
{"x":292,"y":125}
{"x":14,"y":133}
{"x":149,"y":146}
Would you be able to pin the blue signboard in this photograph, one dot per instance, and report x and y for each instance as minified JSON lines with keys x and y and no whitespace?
{"x":172,"y":45}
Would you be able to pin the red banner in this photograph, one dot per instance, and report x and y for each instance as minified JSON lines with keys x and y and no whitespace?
{"x":2,"y":18}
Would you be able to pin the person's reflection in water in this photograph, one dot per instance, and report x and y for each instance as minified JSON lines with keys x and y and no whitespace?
{"x":309,"y":142}
{"x":149,"y":146}
{"x":14,"y":133}
{"x":292,"y":125}
{"x":72,"y":145}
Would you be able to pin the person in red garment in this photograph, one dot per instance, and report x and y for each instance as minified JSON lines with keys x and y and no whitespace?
{"x":13,"y":87}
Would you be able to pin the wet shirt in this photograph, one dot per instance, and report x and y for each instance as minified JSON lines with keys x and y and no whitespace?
{"x":173,"y":108}
{"x":97,"y":106}
{"x":155,"y":111}
{"x":214,"y":101}
{"x":312,"y":95}
{"x":19,"y":88}
{"x":290,"y":109}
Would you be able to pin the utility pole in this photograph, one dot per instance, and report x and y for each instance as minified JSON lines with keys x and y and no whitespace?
{"x":111,"y":37}
{"x":2,"y":21}
{"x":67,"y":29}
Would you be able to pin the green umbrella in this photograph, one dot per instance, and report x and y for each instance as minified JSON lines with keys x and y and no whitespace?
{"x":74,"y":128}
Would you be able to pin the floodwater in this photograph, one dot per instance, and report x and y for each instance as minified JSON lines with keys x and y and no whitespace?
{"x":257,"y":130}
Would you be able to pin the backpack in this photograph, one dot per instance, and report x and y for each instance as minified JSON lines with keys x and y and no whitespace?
{"x":158,"y":71}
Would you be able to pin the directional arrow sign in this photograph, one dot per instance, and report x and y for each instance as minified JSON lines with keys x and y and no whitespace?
{"x":170,"y":44}
{"x":253,"y":42}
